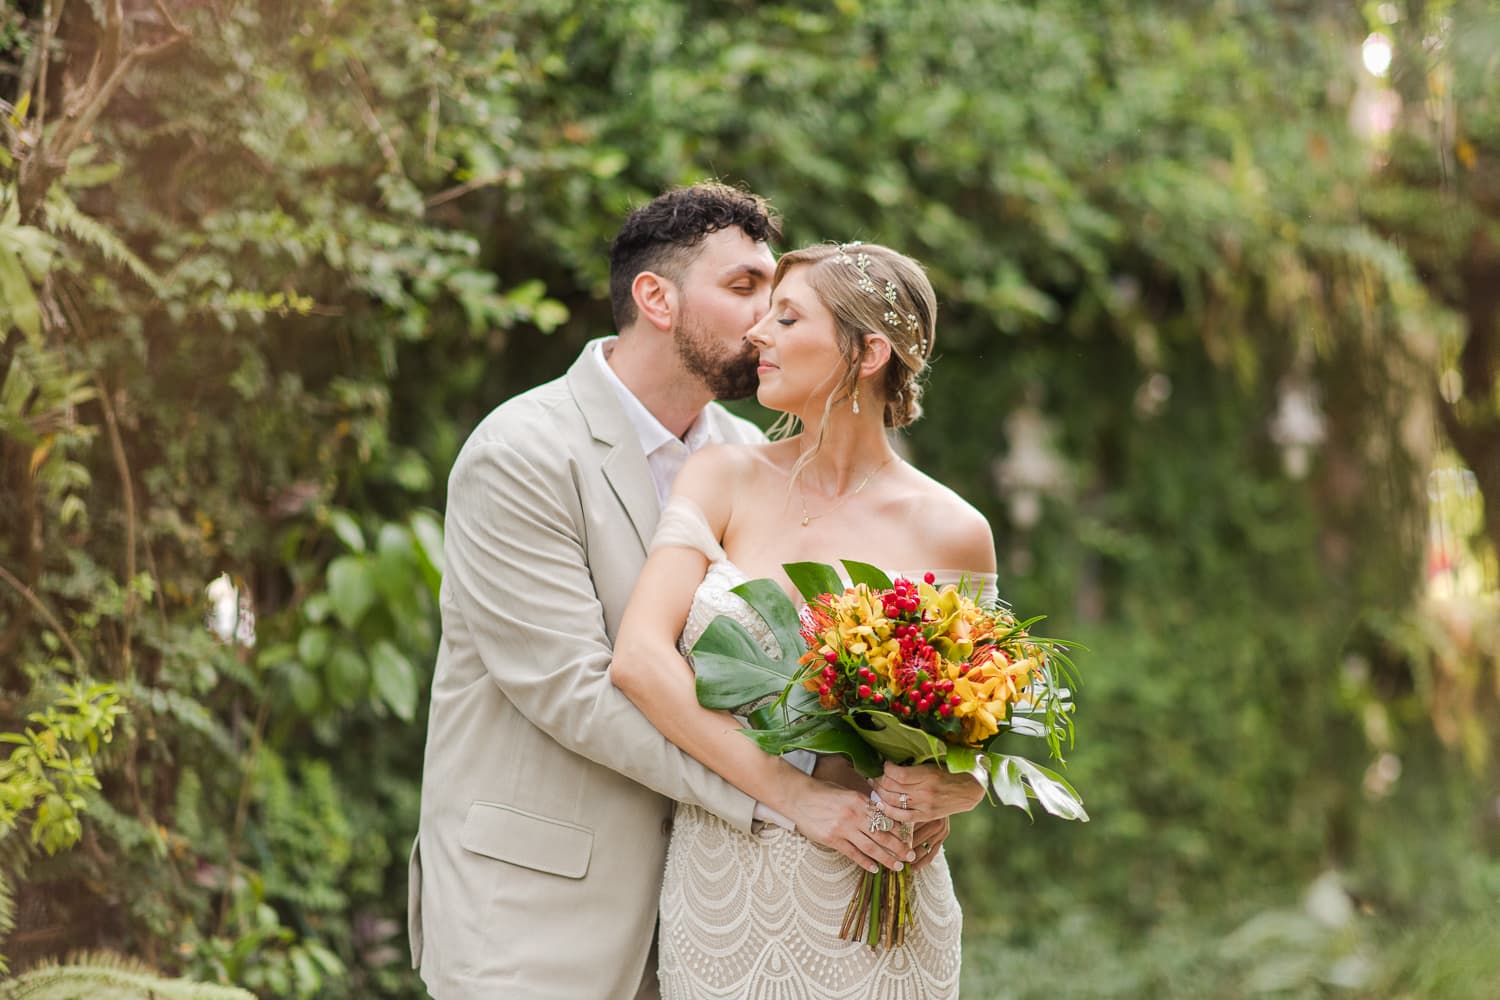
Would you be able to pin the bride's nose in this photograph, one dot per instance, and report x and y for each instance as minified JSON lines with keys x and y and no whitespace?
{"x":757,"y":333}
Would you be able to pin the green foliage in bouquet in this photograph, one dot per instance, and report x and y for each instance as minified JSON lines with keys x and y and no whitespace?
{"x":890,"y":670}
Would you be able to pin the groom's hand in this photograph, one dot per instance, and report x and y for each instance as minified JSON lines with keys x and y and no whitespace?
{"x":926,"y":839}
{"x":926,"y":792}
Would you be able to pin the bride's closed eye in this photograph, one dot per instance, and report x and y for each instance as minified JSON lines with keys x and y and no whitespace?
{"x":787,"y":320}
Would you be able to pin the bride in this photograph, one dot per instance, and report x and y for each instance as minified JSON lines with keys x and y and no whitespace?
{"x":842,"y":350}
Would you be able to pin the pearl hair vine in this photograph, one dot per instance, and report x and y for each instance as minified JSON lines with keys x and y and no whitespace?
{"x":860,"y":261}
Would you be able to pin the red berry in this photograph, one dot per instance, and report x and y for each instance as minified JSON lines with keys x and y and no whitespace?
{"x":945,"y":710}
{"x":864,"y":690}
{"x":878,"y":698}
{"x":927,"y":687}
{"x":823,"y":690}
{"x":955,"y":701}
{"x":831,"y":656}
{"x":930,"y":577}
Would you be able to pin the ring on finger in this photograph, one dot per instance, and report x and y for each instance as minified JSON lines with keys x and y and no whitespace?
{"x":904,"y":800}
{"x":879,"y":821}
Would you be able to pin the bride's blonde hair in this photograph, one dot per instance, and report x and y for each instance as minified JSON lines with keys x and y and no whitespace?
{"x":871,"y":290}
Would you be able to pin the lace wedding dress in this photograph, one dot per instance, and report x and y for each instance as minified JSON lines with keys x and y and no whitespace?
{"x":757,"y":916}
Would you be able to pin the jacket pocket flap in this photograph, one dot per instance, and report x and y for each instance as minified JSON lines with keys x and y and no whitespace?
{"x":522,"y":838}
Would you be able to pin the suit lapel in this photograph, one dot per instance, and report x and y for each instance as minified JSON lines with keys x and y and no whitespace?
{"x":624,"y":464}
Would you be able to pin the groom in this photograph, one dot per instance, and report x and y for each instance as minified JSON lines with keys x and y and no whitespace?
{"x":546,"y":796}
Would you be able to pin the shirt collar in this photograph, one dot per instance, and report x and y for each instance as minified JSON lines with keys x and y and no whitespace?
{"x":647,"y":428}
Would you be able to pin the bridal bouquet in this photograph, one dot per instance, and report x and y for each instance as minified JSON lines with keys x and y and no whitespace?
{"x":895,"y":670}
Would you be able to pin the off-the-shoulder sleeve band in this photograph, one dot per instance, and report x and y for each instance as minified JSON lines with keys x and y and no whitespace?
{"x":683,"y":525}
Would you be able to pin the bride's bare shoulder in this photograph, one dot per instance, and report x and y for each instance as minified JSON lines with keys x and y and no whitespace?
{"x":737,"y":461}
{"x":953,"y":530}
{"x":715,"y":473}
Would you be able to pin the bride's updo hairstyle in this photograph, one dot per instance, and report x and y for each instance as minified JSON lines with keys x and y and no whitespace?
{"x":873,"y":290}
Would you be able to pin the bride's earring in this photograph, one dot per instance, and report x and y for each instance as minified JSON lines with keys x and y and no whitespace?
{"x":856,"y":399}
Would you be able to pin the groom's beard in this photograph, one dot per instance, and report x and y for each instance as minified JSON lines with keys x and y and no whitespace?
{"x":728,"y":374}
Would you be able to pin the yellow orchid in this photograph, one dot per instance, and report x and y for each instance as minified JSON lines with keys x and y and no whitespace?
{"x":959,"y":622}
{"x":987,"y":690}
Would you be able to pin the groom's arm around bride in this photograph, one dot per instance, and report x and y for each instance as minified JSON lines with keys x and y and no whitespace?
{"x":546,"y":795}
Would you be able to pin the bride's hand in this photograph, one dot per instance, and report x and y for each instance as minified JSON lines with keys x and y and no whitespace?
{"x":931,"y":792}
{"x":839,"y":818}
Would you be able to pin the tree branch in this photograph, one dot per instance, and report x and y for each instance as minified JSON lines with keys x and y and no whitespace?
{"x":41,"y":609}
{"x":127,"y":488}
{"x":366,"y":92}
{"x":240,"y":809}
{"x":458,"y":191}
{"x":81,"y":109}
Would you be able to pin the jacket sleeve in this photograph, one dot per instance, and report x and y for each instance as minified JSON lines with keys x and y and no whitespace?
{"x":520,"y":579}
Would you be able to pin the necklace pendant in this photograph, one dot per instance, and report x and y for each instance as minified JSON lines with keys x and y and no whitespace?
{"x":805,"y":520}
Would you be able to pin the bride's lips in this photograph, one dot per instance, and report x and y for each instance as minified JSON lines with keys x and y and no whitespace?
{"x":766,"y":366}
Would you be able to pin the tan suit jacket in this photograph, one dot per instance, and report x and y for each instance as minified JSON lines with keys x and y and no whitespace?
{"x":546,"y":796}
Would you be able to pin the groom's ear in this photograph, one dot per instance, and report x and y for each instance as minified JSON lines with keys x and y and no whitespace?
{"x":656,"y":299}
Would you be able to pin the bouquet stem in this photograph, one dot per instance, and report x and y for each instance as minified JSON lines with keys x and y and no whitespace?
{"x":880,"y":908}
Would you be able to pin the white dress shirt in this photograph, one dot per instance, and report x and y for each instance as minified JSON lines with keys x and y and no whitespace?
{"x":666,"y":453}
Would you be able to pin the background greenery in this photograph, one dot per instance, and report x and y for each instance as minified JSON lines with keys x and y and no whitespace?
{"x":264,"y":265}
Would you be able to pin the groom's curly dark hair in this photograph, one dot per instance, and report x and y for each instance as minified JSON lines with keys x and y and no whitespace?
{"x":661,"y":235}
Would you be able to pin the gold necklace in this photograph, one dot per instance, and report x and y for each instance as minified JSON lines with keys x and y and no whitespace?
{"x":802,"y":497}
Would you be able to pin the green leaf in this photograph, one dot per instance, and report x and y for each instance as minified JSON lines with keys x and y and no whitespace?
{"x":732,"y":670}
{"x":548,"y":315}
{"x":961,"y":760}
{"x":308,"y":979}
{"x":344,"y":525}
{"x":428,"y":530}
{"x":798,"y":701}
{"x":871,"y":576}
{"x":1016,"y":779}
{"x":395,"y":679}
{"x":427,"y":535}
{"x":347,"y":674}
{"x":778,"y":612}
{"x":306,"y":692}
{"x":313,"y":645}
{"x":351,"y":588}
{"x":395,"y":565}
{"x":21,"y":306}
{"x":820,"y":734}
{"x":897,"y":741}
{"x":813,"y":579}
{"x":316,"y":608}
{"x":1006,"y":781}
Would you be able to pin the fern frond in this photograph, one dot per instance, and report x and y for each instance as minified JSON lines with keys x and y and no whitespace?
{"x":15,"y":857}
{"x":64,"y":218}
{"x":106,"y":976}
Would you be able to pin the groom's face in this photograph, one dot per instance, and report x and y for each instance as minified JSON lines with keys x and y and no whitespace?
{"x":725,"y":291}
